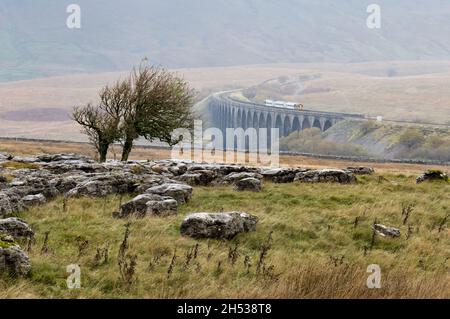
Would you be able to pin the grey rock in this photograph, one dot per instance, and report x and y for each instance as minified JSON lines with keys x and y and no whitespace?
{"x":232,"y":178}
{"x":16,"y":227}
{"x":325,"y":176}
{"x":91,"y":188}
{"x":9,"y":203}
{"x":34,"y":200}
{"x":103,"y":184}
{"x":281,"y":175}
{"x":71,"y":166}
{"x":432,"y":175}
{"x":178,"y":169}
{"x":164,"y":207}
{"x":248,"y":184}
{"x":47,"y":158}
{"x":180,"y":192}
{"x":386,"y":231}
{"x":151,"y":181}
{"x":29,"y":182}
{"x":218,"y":225}
{"x":220,"y":170}
{"x":14,"y":260}
{"x":30,"y":160}
{"x":148,"y":204}
{"x":6,"y":157}
{"x":162,"y":169}
{"x":6,"y":207}
{"x":198,"y":178}
{"x":360,"y":170}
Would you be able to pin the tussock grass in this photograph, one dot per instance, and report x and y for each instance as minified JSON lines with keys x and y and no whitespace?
{"x":315,"y":250}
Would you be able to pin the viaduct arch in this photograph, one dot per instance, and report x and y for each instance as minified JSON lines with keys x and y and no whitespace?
{"x":226,"y":112}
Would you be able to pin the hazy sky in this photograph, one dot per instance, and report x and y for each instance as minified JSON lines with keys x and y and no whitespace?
{"x":115,"y":34}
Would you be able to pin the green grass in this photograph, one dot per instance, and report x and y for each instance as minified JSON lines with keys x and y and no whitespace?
{"x":311,"y":225}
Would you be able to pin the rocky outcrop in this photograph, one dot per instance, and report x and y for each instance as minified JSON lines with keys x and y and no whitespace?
{"x":180,"y":192}
{"x":15,"y":227}
{"x":12,"y":258}
{"x":9,"y":203}
{"x":360,"y":170}
{"x":148,"y":205}
{"x":233,"y":178}
{"x":71,"y":157}
{"x":281,"y":175}
{"x":326,"y":176}
{"x":5,"y":205}
{"x":34,"y":200}
{"x":218,"y":225}
{"x":73,"y":175}
{"x":198,"y":178}
{"x":101,"y":185}
{"x":432,"y":175}
{"x":248,"y":184}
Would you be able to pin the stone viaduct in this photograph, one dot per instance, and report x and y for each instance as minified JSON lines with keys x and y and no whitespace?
{"x":227,"y":112}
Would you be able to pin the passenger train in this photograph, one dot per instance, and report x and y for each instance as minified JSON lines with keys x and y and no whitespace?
{"x":284,"y":105}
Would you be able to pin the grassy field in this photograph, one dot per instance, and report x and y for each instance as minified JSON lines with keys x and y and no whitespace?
{"x":320,"y":245}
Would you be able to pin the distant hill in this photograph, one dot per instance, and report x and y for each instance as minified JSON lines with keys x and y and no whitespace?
{"x":373,"y":139}
{"x":115,"y":34}
{"x":418,"y":92}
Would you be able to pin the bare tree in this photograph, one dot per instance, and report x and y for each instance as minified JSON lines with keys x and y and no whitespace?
{"x":161,"y":102}
{"x":101,"y":123}
{"x":150,"y":103}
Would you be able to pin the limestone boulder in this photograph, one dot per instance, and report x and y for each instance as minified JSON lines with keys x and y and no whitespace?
{"x":180,"y":192}
{"x":197,"y":178}
{"x":386,"y":231}
{"x":34,"y":200}
{"x":232,"y":178}
{"x":104,"y":184}
{"x":152,"y":181}
{"x":164,"y":207}
{"x":15,"y":227}
{"x":221,"y":169}
{"x":360,"y":170}
{"x":281,"y":175}
{"x":218,"y":225}
{"x":5,"y":205}
{"x":91,"y":188}
{"x":326,"y":176}
{"x":148,"y":204}
{"x":47,"y":158}
{"x":9,"y":203}
{"x":248,"y":184}
{"x":13,"y":259}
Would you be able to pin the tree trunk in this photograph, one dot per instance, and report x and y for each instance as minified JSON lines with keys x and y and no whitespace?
{"x":127,"y":146}
{"x":102,"y":152}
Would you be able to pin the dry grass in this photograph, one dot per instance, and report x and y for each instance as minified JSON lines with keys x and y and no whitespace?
{"x":317,"y":249}
{"x":12,"y":165}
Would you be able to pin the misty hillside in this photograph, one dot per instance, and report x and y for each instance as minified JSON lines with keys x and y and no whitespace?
{"x":115,"y":34}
